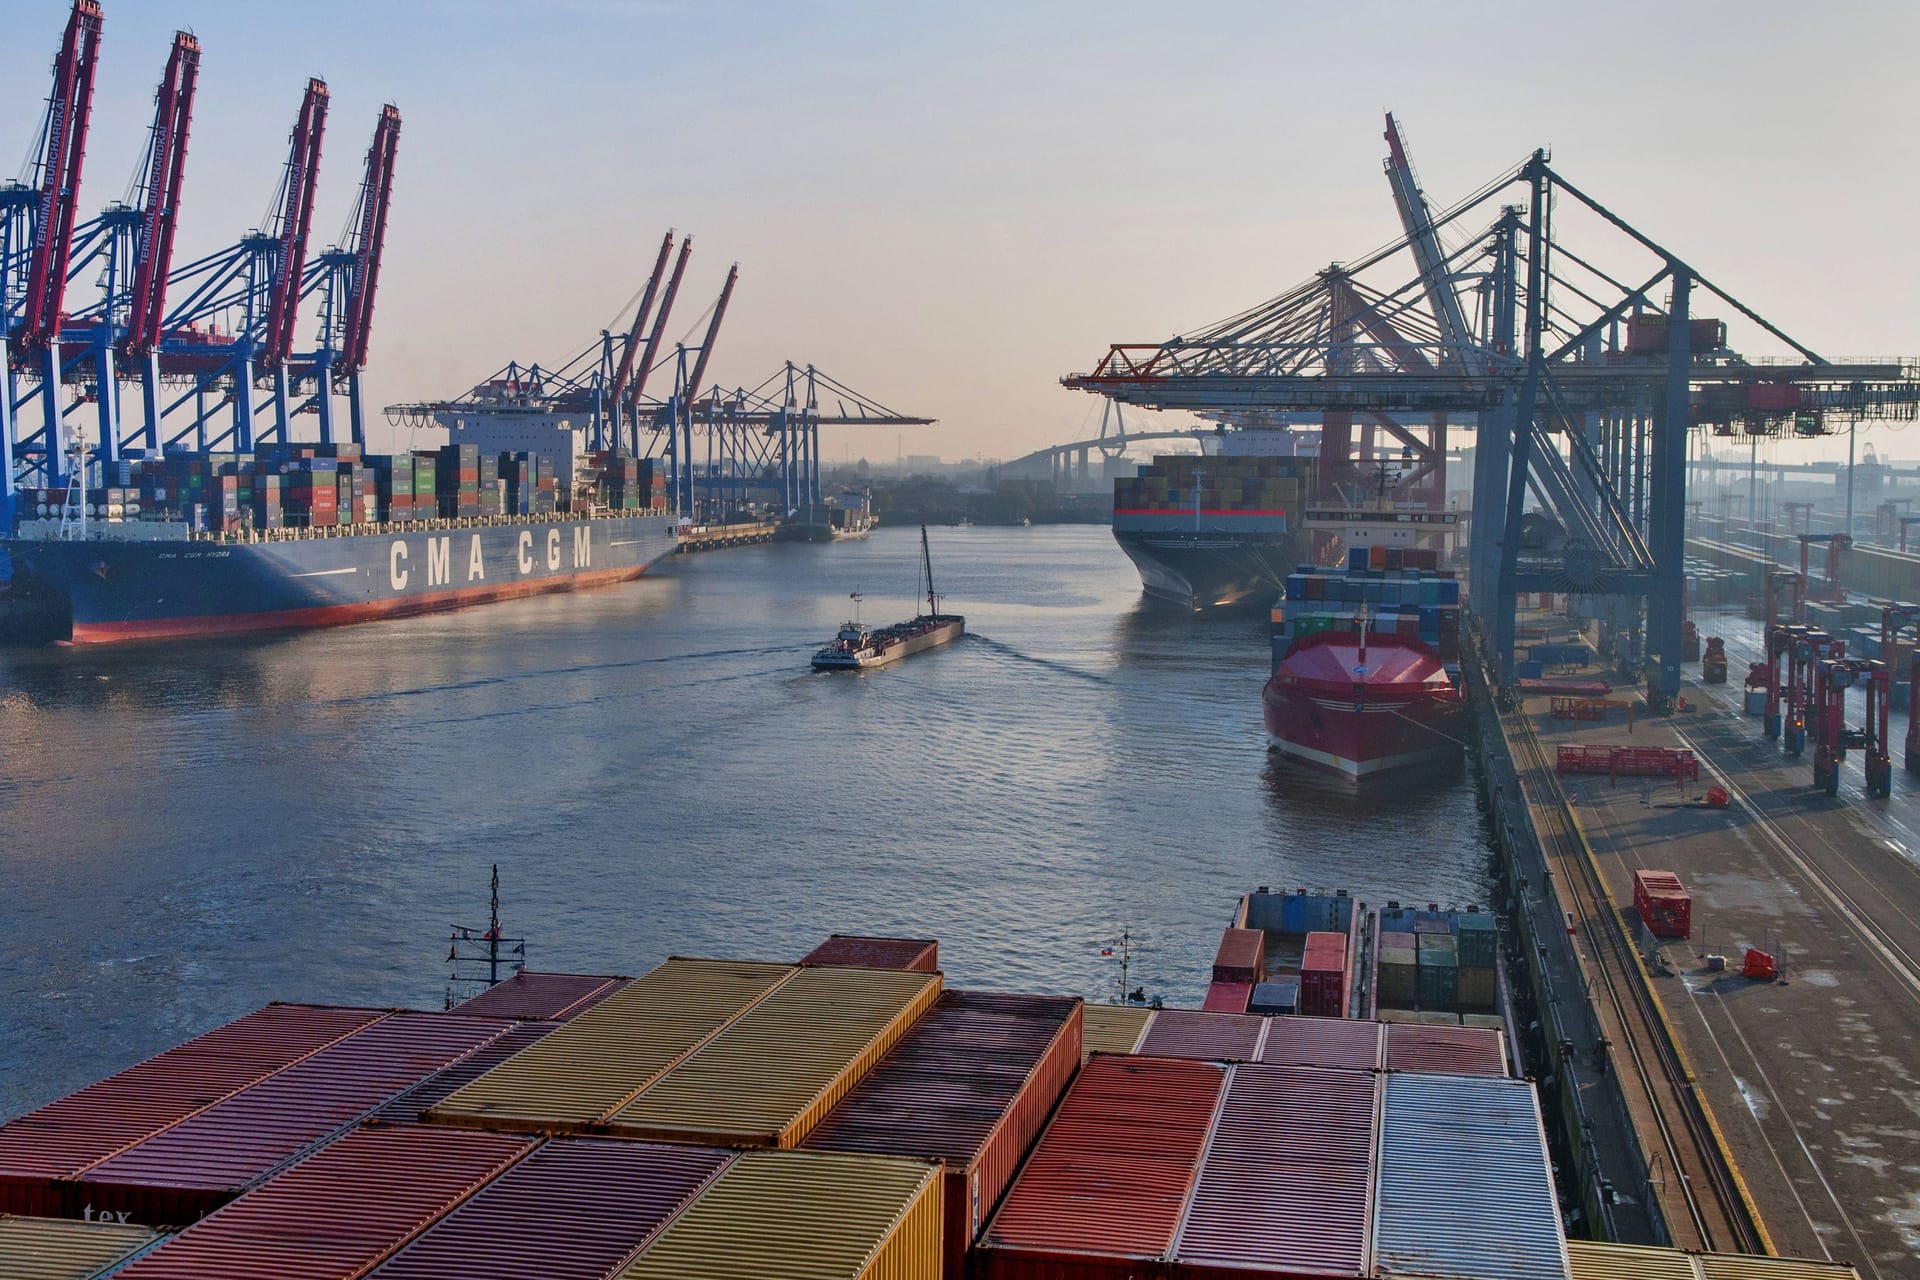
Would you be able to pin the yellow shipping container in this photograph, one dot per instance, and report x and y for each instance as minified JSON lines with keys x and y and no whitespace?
{"x":769,"y":1077}
{"x":1113,"y":1028}
{"x":61,"y":1249}
{"x":805,"y":1215}
{"x":594,"y":1065}
{"x":1593,"y":1261}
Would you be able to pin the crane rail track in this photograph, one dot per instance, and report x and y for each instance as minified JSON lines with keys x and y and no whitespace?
{"x":1718,"y":1209}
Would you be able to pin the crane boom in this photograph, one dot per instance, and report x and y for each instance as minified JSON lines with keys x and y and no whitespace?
{"x":370,"y":236}
{"x":627,"y":353}
{"x":68,"y":108}
{"x":1417,"y":220}
{"x":294,"y":222}
{"x":713,"y":332}
{"x":160,"y":206}
{"x":660,"y":321}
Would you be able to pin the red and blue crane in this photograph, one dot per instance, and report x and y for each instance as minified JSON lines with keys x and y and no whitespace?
{"x":36,"y":242}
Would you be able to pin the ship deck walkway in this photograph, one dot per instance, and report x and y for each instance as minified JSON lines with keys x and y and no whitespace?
{"x":1796,"y":1101}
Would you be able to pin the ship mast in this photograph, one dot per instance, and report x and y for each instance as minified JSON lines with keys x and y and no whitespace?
{"x":926,"y":563}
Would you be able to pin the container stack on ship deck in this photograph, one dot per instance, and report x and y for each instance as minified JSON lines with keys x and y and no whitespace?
{"x":1214,"y":531}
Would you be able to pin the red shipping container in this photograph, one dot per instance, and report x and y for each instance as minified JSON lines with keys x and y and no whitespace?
{"x":1227,"y":997}
{"x":1286,"y":1188}
{"x":1212,"y":1037}
{"x":1325,"y":982}
{"x":67,"y":1135}
{"x":847,"y":950}
{"x":1664,"y":904}
{"x":1323,"y":1042}
{"x":1455,"y":1051}
{"x":1240,"y":957}
{"x":203,"y":1162}
{"x":576,"y":1209}
{"x":334,"y":1216}
{"x":970,"y":1085}
{"x":1102,"y":1194}
{"x":543,"y":997}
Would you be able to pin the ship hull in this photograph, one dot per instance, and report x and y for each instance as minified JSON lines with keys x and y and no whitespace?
{"x":124,"y":591}
{"x":1361,"y":739}
{"x":1206,"y":570}
{"x":945,"y":633}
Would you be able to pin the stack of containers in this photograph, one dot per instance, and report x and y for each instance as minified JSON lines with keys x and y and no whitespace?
{"x":457,"y":480}
{"x":1326,"y":978}
{"x":1104,"y":1191}
{"x":491,"y":490}
{"x":426,"y":486}
{"x":816,"y":1214}
{"x":310,"y":488}
{"x":653,"y":483}
{"x":970,"y":1087}
{"x":341,"y":1212}
{"x":1413,"y":599}
{"x":62,"y":1249}
{"x":1286,"y":1184}
{"x":1465,"y":1182}
{"x":519,"y":471}
{"x":918,"y":955}
{"x":393,"y":487}
{"x":192,"y":1168}
{"x":269,"y":505}
{"x":1478,"y":1051}
{"x":576,"y":1209}
{"x":773,"y":1072}
{"x":1399,"y":970}
{"x":589,"y":1068}
{"x":1439,"y":972}
{"x":72,"y":1133}
{"x":1479,"y":953}
{"x":1113,"y":1028}
{"x":1242,"y":484}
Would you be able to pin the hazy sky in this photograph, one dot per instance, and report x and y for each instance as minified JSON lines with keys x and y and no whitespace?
{"x":950,"y":206}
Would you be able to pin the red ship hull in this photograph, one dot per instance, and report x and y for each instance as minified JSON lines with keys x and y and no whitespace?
{"x":1363,"y":711}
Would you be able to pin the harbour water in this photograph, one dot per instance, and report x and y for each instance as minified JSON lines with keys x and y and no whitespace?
{"x":193,"y":831}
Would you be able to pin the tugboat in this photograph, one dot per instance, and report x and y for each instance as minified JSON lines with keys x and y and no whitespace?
{"x":857,"y":647}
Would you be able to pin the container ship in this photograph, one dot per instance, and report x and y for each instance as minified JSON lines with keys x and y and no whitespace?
{"x":1214,"y":531}
{"x":1366,"y":674}
{"x":300,"y":536}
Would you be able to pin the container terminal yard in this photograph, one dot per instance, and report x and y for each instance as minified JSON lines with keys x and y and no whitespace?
{"x":1680,"y":1042}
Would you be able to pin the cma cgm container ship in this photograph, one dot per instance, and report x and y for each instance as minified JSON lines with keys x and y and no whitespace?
{"x":1215,"y":531}
{"x":211,"y":545}
{"x":1366,"y":664}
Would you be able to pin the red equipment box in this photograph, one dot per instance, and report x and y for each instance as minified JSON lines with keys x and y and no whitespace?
{"x":1664,"y":904}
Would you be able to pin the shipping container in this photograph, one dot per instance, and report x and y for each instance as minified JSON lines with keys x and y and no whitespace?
{"x":817,"y":1215}
{"x":1214,"y":1037}
{"x":542,"y":997}
{"x":1479,"y":1051}
{"x":578,"y":1207}
{"x":1286,"y":1184}
{"x":1323,"y":1042}
{"x":1479,"y":940}
{"x":920,"y":955}
{"x":1479,"y":990}
{"x":1398,"y":971}
{"x":1275,"y":998}
{"x":65,"y":1136}
{"x":1103,"y":1193}
{"x":1113,"y":1028}
{"x":1227,"y":997}
{"x":193,"y":1168}
{"x":62,"y":1249}
{"x":1664,"y":904}
{"x":411,"y":1104}
{"x":970,"y":1086}
{"x":1594,"y":1261}
{"x":1325,"y":977}
{"x":1465,"y":1186}
{"x":336,"y":1215}
{"x":1439,"y":977}
{"x":1241,"y":956}
{"x":595,"y":1064}
{"x":770,"y":1075}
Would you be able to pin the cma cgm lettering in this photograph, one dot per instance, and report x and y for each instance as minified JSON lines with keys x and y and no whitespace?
{"x":158,"y":588}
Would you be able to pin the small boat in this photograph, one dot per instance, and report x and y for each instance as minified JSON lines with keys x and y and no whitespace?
{"x":858,"y":646}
